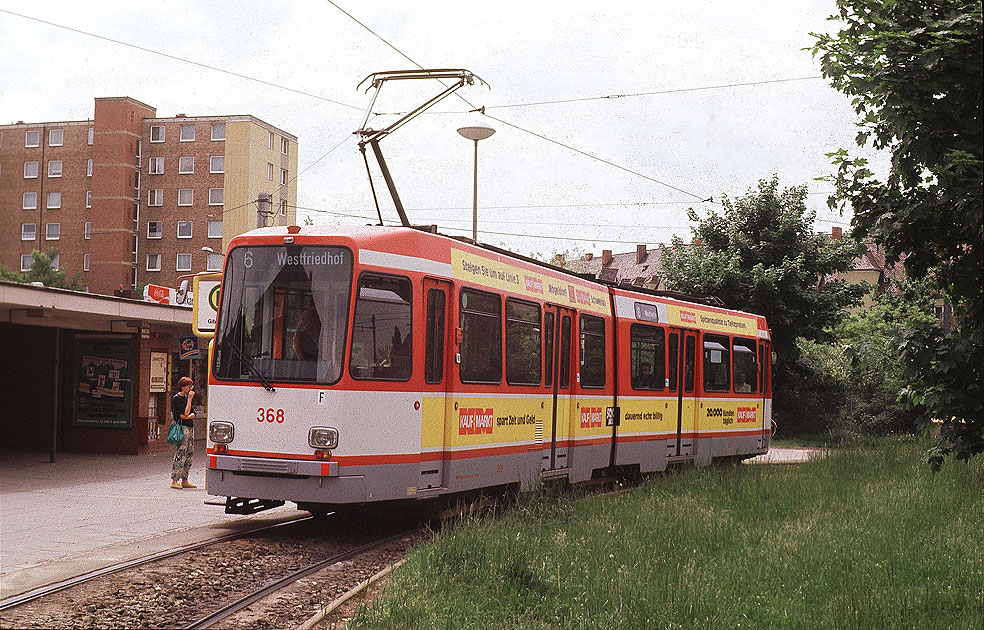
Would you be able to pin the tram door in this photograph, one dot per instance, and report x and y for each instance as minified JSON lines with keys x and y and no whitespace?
{"x":764,"y":363}
{"x":557,"y":324}
{"x":438,"y":411}
{"x":682,"y":357}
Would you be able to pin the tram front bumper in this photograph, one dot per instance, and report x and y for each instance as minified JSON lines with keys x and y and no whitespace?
{"x":283,"y":479}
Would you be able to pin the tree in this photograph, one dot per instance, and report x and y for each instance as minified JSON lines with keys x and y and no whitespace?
{"x":914,"y":72}
{"x":42,"y":270}
{"x":762,"y":255}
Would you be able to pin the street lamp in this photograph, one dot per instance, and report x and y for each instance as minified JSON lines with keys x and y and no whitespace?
{"x":476,"y":132}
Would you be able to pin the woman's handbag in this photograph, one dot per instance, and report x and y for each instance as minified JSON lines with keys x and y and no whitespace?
{"x":176,"y":434}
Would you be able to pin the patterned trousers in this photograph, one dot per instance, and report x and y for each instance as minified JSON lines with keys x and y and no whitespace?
{"x":183,"y":456}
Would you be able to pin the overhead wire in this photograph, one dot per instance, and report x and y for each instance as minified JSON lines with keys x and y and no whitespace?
{"x":481,"y":110}
{"x":182,"y":59}
{"x":653,"y":93}
{"x":538,"y":135}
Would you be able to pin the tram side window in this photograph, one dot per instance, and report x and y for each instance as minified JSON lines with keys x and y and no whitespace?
{"x":647,"y":357}
{"x":481,"y":337}
{"x":434,"y":355}
{"x":592,"y":351}
{"x":381,"y":332}
{"x":744,"y":367}
{"x":548,"y":348}
{"x":523,"y":358}
{"x":717,"y":363}
{"x":673,"y":360}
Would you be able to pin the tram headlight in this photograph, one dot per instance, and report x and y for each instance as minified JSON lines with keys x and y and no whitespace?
{"x":221,"y":432}
{"x":322,"y":437}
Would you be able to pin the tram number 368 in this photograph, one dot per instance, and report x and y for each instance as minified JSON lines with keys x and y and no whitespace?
{"x":270,"y":415}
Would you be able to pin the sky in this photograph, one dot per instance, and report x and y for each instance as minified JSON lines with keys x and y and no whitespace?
{"x":612,"y":119}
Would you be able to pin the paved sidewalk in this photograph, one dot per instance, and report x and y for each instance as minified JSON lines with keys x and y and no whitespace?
{"x":787,"y":456}
{"x":85,"y":512}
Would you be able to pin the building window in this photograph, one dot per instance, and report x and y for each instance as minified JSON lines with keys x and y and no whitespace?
{"x":26,"y":261}
{"x":269,"y":140}
{"x":283,"y":207}
{"x":88,"y":199}
{"x":216,"y":164}
{"x":283,"y":177}
{"x":56,"y":138}
{"x":155,"y":165}
{"x":186,"y":196}
{"x":155,"y":197}
{"x":213,"y":262}
{"x":55,"y":260}
{"x":92,"y":135}
{"x":215,"y":229}
{"x":218,"y":131}
{"x":183,"y":262}
{"x":139,"y":150}
{"x":54,"y":200}
{"x":269,"y":171}
{"x":87,"y":233}
{"x":157,"y":133}
{"x":153,"y":262}
{"x":184,"y":229}
{"x":29,"y":231}
{"x":85,"y":262}
{"x":54,"y":168}
{"x":284,"y":145}
{"x":30,"y":201}
{"x":186,"y":164}
{"x":187,"y":133}
{"x":52,"y":231}
{"x":155,"y":229}
{"x":30,"y":170}
{"x":216,"y":196}
{"x":88,"y":168}
{"x":33,"y":139}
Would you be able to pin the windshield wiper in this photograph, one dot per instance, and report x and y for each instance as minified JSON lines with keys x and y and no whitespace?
{"x":251,"y":366}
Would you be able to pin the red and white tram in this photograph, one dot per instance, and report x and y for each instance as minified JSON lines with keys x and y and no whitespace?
{"x":362,"y":365}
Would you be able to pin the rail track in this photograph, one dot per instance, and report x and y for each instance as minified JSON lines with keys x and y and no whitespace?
{"x":280,"y":574}
{"x":213,"y":618}
{"x":49,"y":589}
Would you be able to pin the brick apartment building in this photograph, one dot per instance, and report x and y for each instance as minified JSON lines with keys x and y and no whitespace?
{"x":130,"y":199}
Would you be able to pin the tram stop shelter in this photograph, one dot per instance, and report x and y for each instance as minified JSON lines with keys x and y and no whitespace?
{"x":86,"y":373}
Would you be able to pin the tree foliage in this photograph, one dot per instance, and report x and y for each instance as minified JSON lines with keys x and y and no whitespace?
{"x":762,"y":255}
{"x":42,"y":270}
{"x":859,"y":373}
{"x":914,"y":71}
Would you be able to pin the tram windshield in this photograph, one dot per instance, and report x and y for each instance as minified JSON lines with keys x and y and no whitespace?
{"x":284,"y":313}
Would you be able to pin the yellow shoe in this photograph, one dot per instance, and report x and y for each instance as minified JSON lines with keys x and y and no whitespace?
{"x":176,"y":485}
{"x":187,"y":484}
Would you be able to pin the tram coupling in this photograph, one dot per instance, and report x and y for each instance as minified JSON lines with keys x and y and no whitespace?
{"x":249,"y":506}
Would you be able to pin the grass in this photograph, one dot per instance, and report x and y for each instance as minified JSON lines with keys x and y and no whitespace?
{"x":865,"y":538}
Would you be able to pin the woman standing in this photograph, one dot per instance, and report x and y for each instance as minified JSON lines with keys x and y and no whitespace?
{"x":183,"y":415}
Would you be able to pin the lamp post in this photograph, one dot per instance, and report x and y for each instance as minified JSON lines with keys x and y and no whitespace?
{"x":476,"y":132}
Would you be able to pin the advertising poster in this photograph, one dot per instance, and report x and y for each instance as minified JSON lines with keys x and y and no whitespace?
{"x":102,"y":382}
{"x":158,"y":372}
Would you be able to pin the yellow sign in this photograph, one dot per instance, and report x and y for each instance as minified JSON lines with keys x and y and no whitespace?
{"x":206,"y":303}
{"x":502,"y":276}
{"x":696,"y":317}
